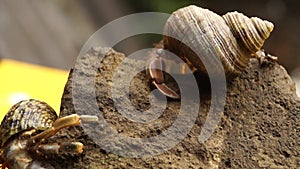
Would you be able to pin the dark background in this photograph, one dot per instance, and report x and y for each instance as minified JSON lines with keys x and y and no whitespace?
{"x":51,"y":33}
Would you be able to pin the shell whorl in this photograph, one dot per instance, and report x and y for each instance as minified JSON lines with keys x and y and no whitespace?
{"x":27,"y":114}
{"x":233,"y":37}
{"x":252,"y":32}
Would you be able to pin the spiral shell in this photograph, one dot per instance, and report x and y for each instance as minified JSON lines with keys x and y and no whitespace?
{"x":233,"y":38}
{"x":25,"y":115}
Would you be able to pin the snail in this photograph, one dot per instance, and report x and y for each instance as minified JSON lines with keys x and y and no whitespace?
{"x":233,"y":38}
{"x":24,"y":129}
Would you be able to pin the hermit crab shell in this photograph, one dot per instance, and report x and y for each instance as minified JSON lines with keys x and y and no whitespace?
{"x":233,"y":38}
{"x":25,"y":115}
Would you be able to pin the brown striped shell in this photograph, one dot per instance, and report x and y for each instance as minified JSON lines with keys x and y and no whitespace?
{"x":233,"y":38}
{"x":25,"y":115}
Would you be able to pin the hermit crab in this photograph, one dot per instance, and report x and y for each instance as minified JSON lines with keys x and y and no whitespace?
{"x":232,"y":38}
{"x":25,"y":128}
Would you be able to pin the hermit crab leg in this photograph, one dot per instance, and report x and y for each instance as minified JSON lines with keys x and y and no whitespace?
{"x":155,"y":71}
{"x":63,"y":122}
{"x":64,"y":147}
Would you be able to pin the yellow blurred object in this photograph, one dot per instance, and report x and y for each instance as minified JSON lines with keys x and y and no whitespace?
{"x":21,"y":81}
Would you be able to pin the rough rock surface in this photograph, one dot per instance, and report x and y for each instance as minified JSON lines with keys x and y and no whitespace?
{"x":259,"y":128}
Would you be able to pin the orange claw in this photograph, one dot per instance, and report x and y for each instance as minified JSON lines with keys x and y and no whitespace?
{"x":164,"y":89}
{"x":155,"y":71}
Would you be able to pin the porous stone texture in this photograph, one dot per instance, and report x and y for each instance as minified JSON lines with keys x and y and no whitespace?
{"x":259,"y":128}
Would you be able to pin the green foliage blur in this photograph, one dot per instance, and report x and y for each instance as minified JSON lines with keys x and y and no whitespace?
{"x":166,"y":6}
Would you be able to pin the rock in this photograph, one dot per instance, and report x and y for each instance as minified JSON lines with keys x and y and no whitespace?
{"x":259,"y":128}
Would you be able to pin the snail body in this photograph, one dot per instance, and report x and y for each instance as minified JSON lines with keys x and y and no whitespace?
{"x":200,"y":37}
{"x":24,"y":129}
{"x":26,"y":115}
{"x":233,"y":38}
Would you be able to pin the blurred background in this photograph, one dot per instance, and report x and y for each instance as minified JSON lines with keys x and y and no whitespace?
{"x":51,"y":33}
